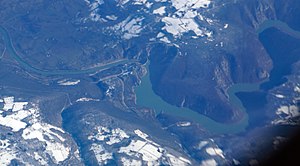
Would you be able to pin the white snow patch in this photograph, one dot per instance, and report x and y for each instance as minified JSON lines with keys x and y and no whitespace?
{"x":6,"y":157}
{"x":177,"y":26}
{"x":285,"y":113}
{"x":297,"y":89}
{"x":20,"y":115}
{"x":101,"y":154}
{"x":139,"y":151}
{"x":94,"y":9}
{"x":34,"y":128}
{"x":40,"y":159}
{"x":183,"y":124}
{"x":149,"y":152}
{"x":19,"y":106}
{"x":193,"y":4}
{"x":139,"y":2}
{"x":159,"y":35}
{"x":226,"y":26}
{"x":56,"y":149}
{"x":4,"y":144}
{"x":112,"y":17}
{"x":130,"y":162}
{"x":14,"y":120}
{"x":122,"y":2}
{"x":215,"y":152}
{"x":202,"y":144}
{"x":183,"y":19}
{"x":209,"y":162}
{"x":280,"y":96}
{"x":8,"y":103}
{"x":14,"y":124}
{"x":68,"y":83}
{"x":165,"y":40}
{"x":141,"y":134}
{"x":160,"y":11}
{"x":130,"y":27}
{"x":111,"y":136}
{"x":117,"y":135}
{"x":291,"y":111}
{"x":143,"y":2}
{"x":178,"y":161}
{"x":84,"y":99}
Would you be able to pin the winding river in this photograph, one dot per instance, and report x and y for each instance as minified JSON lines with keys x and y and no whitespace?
{"x":147,"y":97}
{"x":12,"y":52}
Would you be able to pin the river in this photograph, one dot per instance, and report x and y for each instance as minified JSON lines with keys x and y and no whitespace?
{"x":147,"y":97}
{"x":12,"y":52}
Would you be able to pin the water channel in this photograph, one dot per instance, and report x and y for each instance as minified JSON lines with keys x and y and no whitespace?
{"x":13,"y":53}
{"x":147,"y":97}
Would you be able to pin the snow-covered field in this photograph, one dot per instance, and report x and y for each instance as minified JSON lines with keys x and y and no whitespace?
{"x":141,"y":149}
{"x":179,"y":17}
{"x":24,"y":120}
{"x":287,"y":111}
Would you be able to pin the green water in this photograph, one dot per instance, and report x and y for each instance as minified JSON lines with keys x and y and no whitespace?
{"x":147,"y":97}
